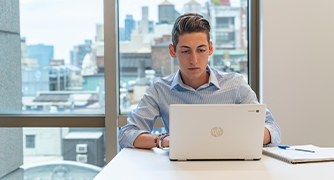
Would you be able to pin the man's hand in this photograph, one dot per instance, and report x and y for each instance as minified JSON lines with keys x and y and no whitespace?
{"x":165,"y":142}
{"x":266,"y":137}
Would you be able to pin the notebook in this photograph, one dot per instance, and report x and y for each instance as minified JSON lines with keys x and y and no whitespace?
{"x":294,"y":157}
{"x":216,"y":131}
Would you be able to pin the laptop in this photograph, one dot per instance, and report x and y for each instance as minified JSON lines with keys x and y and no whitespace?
{"x":216,"y":131}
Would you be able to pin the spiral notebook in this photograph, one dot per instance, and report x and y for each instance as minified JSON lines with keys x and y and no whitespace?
{"x":294,"y":157}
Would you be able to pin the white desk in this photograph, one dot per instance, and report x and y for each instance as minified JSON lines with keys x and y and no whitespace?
{"x":154,"y":164}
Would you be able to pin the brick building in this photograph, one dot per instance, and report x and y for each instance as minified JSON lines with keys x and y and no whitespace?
{"x":162,"y":62}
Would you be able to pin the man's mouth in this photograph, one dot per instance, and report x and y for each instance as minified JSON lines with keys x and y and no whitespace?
{"x":193,"y":69}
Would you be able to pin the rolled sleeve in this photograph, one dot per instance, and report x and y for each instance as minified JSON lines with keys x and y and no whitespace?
{"x":141,"y":120}
{"x":247,"y":96}
{"x":274,"y":129}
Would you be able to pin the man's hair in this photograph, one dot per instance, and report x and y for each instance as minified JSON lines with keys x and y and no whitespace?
{"x":190,"y":23}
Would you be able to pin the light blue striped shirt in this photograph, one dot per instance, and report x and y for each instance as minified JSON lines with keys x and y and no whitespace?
{"x":222,"y":88}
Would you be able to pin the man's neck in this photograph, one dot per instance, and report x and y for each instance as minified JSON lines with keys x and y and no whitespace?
{"x":197,"y":82}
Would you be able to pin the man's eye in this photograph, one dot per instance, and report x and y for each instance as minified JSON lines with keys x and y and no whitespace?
{"x":184,"y":51}
{"x":201,"y":50}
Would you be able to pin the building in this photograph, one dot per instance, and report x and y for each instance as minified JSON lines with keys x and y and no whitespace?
{"x":79,"y":52}
{"x":162,"y":63}
{"x":167,"y":13}
{"x":229,"y":36}
{"x":56,"y":78}
{"x":57,"y":62}
{"x":129,"y":26}
{"x":143,"y":24}
{"x":192,"y":7}
{"x":84,"y":147}
{"x":221,"y":2}
{"x":129,"y":63}
{"x":37,"y":147}
{"x":99,"y":33}
{"x":121,"y":34}
{"x":43,"y":53}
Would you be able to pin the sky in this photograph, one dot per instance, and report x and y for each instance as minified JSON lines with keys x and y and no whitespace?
{"x":66,"y":23}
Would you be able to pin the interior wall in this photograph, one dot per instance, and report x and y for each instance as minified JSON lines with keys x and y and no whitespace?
{"x":297,"y":69}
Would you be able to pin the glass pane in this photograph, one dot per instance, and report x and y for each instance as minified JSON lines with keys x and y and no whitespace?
{"x":59,"y":57}
{"x":145,"y":32}
{"x":52,"y":153}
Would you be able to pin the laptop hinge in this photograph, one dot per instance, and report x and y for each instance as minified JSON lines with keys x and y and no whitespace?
{"x":248,"y":159}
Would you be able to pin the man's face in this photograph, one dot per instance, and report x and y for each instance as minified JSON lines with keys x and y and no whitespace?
{"x":192,"y":52}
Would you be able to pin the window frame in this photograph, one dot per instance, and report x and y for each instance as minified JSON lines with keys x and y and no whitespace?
{"x":112,"y":120}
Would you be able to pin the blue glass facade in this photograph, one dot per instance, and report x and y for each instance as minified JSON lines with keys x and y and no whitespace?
{"x":129,"y":26}
{"x":41,"y":52}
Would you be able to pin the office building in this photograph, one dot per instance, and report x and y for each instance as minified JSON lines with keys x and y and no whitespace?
{"x":167,"y":13}
{"x":79,"y":52}
{"x":55,"y":78}
{"x":121,"y":34}
{"x":27,"y":62}
{"x":43,"y":53}
{"x":129,"y":26}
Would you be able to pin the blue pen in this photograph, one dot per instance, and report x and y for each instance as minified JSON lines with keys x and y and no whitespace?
{"x":288,"y":147}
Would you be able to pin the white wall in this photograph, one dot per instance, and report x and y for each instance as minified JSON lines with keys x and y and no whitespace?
{"x":298,"y":64}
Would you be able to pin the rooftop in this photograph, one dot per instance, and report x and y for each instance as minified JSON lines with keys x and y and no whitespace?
{"x":165,"y":3}
{"x":192,"y":2}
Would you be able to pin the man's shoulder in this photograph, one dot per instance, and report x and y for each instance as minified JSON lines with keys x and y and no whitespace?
{"x":226,"y":76}
{"x":163,"y":81}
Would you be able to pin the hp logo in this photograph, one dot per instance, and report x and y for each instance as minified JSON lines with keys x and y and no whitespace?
{"x":216,"y":131}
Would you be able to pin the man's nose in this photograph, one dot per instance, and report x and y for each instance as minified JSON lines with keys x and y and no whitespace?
{"x":193,"y":57}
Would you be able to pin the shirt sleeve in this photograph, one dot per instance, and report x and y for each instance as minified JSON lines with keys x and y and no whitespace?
{"x":141,"y":120}
{"x":246,"y":95}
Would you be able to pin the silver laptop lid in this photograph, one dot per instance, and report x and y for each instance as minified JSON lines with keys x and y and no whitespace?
{"x":216,"y":131}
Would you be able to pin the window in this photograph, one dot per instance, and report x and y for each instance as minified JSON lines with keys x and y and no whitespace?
{"x":224,"y":37}
{"x":14,"y":114}
{"x":30,"y":141}
{"x":144,"y":54}
{"x":42,"y":82}
{"x":225,"y":22}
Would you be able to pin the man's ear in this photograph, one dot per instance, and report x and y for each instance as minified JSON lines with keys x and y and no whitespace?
{"x":211,"y":49}
{"x":171,"y":51}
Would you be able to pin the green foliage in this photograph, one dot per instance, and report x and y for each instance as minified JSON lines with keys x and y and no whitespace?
{"x":216,"y":2}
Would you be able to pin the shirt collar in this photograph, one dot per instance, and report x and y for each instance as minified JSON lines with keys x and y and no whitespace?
{"x":177,"y":78}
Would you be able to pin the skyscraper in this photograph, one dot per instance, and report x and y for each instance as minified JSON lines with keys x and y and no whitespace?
{"x":167,"y":13}
{"x":41,"y":52}
{"x":144,"y":23}
{"x":79,"y":52}
{"x":129,"y":26}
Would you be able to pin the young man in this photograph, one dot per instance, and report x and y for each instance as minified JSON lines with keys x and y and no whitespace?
{"x":194,"y":83}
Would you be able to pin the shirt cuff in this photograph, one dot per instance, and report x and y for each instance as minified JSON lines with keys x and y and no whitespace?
{"x":272,"y":136}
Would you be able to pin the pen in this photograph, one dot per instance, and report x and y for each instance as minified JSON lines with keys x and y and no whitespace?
{"x":288,"y":147}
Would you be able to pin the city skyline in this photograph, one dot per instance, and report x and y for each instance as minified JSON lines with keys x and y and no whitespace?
{"x":77,"y":23}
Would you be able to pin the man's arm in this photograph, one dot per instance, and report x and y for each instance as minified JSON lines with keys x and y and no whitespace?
{"x":146,"y":141}
{"x":266,"y":137}
{"x":246,"y":95}
{"x":141,"y":120}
